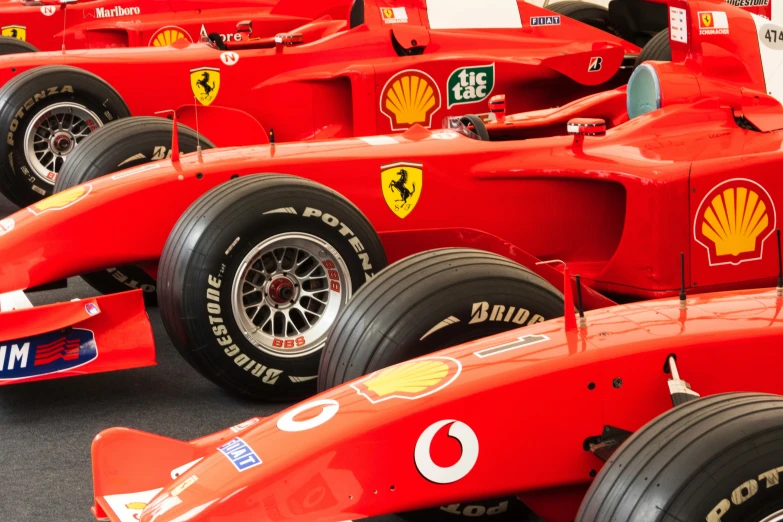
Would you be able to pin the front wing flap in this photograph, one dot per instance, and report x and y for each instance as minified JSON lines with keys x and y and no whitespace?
{"x":94,"y":335}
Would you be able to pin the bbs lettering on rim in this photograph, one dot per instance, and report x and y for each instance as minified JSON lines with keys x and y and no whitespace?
{"x":347,"y":233}
{"x":37,"y":97}
{"x":219,"y":330}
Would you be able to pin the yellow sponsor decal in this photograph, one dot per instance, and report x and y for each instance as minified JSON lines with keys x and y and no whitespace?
{"x":15,"y":31}
{"x":410,"y":380}
{"x":410,"y":97}
{"x":205,"y":82}
{"x":61,"y":200}
{"x":401,"y":184}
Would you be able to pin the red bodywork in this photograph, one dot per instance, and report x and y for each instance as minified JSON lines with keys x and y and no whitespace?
{"x":521,"y":404}
{"x":286,"y":88}
{"x":617,"y":209}
{"x":142,"y":23}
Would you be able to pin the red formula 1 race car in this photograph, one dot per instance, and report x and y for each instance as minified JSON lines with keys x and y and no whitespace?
{"x":379,"y":66}
{"x":534,"y":413}
{"x":52,"y":25}
{"x":254,"y":270}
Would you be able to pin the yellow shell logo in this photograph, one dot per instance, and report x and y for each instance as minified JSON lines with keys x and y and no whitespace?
{"x":61,"y":200}
{"x":410,"y":97}
{"x":138,"y":506}
{"x":166,"y":36}
{"x":733,"y":221}
{"x":410,"y":380}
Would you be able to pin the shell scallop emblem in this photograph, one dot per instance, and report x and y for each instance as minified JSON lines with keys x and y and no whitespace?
{"x":166,"y":36}
{"x":733,"y":222}
{"x":410,"y":97}
{"x":61,"y":200}
{"x":410,"y":380}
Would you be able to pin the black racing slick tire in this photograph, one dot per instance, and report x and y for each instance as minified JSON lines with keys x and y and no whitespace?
{"x":716,"y":459}
{"x":254,"y":274}
{"x":431,"y":301}
{"x":585,"y":12}
{"x":120,"y":145}
{"x":9,"y":45}
{"x":658,"y":49}
{"x":44,"y":114}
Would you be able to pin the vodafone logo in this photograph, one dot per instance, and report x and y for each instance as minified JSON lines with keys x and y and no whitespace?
{"x":229,"y":58}
{"x":288,"y":422}
{"x":48,"y":10}
{"x":468,"y":457}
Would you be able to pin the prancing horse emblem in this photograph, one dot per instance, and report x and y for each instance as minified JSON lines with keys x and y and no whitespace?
{"x":402,"y":186}
{"x":205,"y":82}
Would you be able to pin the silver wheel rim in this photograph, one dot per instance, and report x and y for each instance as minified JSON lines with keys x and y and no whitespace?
{"x":777,"y":516}
{"x":287,"y":293}
{"x":53,"y":134}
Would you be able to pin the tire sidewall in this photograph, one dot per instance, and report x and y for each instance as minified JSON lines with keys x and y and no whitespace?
{"x":29,"y":100}
{"x":240,"y":360}
{"x":464,"y":312}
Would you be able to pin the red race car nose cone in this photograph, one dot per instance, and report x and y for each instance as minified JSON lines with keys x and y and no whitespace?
{"x":587,"y":126}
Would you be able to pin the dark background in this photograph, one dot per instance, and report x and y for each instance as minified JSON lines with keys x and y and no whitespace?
{"x":46,"y":427}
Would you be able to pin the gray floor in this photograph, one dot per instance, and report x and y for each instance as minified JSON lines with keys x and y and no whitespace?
{"x":46,"y":428}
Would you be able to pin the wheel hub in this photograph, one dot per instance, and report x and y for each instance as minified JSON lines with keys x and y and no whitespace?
{"x":61,"y":143}
{"x":287,"y":292}
{"x":281,"y":291}
{"x":53,"y":134}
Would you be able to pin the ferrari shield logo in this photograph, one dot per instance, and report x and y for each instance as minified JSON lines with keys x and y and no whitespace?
{"x":15,"y":31}
{"x":706,"y":19}
{"x":401,"y":184}
{"x":205,"y":82}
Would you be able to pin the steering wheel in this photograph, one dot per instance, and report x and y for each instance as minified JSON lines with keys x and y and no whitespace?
{"x":475,"y":124}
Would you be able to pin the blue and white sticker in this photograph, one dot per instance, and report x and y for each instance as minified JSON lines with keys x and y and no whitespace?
{"x":240,"y":454}
{"x":544,"y":20}
{"x":46,"y":354}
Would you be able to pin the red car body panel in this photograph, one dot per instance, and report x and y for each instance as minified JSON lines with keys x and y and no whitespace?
{"x":142,"y":23}
{"x":522,"y":404}
{"x":617,"y":209}
{"x":283,"y":89}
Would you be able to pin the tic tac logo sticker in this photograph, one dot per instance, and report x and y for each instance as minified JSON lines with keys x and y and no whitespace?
{"x":15,"y":31}
{"x":733,"y":221}
{"x":596,"y":62}
{"x":6,"y":225}
{"x":229,"y":58}
{"x":470,"y":84}
{"x":48,"y":10}
{"x":410,"y":380}
{"x":713,"y":22}
{"x":240,"y":454}
{"x":544,"y":20}
{"x":46,"y":354}
{"x":394,"y":15}
{"x":326,"y":408}
{"x":425,"y":447}
{"x":61,"y":200}
{"x":166,"y":36}
{"x":401,"y":185}
{"x":410,"y":97}
{"x":205,"y":82}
